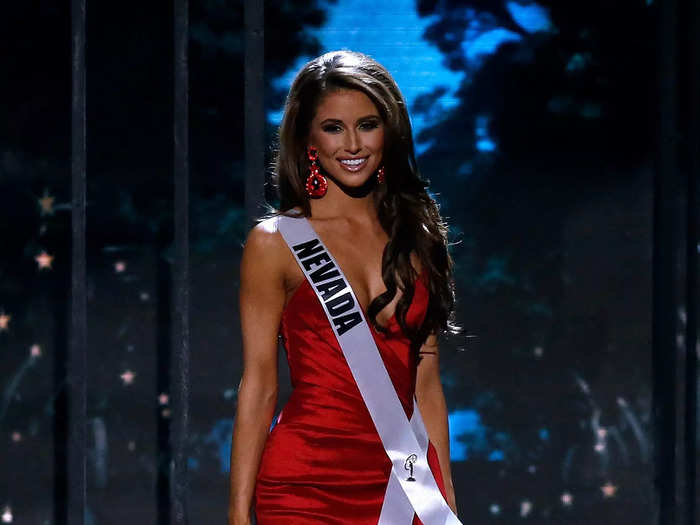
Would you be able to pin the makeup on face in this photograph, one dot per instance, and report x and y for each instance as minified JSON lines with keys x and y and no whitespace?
{"x":348,"y":132}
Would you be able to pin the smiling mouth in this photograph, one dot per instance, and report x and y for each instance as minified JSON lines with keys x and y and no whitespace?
{"x":353,"y":164}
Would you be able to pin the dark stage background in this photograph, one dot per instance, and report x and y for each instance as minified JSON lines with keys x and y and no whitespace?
{"x":541,"y":128}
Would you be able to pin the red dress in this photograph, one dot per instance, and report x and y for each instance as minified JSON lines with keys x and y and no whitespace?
{"x":323,"y":463}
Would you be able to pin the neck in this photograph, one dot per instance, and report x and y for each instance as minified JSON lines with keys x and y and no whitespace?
{"x":353,"y":203}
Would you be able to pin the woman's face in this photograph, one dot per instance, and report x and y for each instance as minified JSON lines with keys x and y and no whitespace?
{"x":348,"y":133}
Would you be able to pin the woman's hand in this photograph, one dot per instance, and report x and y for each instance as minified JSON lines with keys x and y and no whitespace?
{"x":451,"y":498}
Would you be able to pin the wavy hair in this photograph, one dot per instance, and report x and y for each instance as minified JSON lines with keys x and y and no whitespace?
{"x":407,"y":213}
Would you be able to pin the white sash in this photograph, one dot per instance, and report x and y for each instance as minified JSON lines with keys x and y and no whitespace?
{"x":411,"y":485}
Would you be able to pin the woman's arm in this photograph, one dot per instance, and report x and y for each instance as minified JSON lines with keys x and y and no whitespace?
{"x":433,"y":409}
{"x":261,"y":299}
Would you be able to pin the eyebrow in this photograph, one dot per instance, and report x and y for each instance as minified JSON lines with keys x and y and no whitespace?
{"x":338,"y":121}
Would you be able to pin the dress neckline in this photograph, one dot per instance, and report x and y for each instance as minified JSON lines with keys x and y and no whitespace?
{"x":391,"y":320}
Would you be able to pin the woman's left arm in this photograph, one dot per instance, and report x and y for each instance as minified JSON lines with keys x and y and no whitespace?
{"x":433,"y":409}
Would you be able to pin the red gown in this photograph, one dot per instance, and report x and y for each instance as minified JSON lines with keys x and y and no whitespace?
{"x":323,"y":463}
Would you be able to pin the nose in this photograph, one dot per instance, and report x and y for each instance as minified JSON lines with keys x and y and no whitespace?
{"x":352,"y":142}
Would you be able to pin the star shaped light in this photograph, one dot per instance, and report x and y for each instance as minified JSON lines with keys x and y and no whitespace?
{"x":163,"y":399}
{"x":35,"y":350}
{"x":119,"y":266}
{"x":127,"y":377}
{"x":567,"y":499}
{"x":16,"y":436}
{"x":44,"y":260}
{"x":4,"y":321}
{"x":525,"y":508}
{"x":608,"y":490}
{"x":6,"y":514}
{"x":46,"y":203}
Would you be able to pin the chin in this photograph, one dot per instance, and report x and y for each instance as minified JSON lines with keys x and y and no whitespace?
{"x":352,"y":182}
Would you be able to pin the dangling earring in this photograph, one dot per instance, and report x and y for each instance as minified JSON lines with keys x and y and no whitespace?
{"x":316,"y":184}
{"x":380,"y":175}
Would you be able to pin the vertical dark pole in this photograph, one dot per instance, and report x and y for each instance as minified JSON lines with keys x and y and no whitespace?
{"x":254,"y":109}
{"x":77,"y":351}
{"x":181,"y":328}
{"x":666,"y":246}
{"x":691,"y":332}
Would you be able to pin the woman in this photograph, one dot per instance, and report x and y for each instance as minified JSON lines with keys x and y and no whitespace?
{"x":345,"y":163}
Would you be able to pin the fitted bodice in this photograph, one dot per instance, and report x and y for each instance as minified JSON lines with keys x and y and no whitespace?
{"x":316,"y":360}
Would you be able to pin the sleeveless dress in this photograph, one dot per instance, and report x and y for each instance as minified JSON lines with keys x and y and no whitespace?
{"x":323,"y":462}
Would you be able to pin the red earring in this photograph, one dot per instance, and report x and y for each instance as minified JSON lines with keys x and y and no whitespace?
{"x":380,"y":175}
{"x":316,"y":184}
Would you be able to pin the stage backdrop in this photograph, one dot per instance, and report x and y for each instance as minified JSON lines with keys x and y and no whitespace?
{"x":535,"y":125}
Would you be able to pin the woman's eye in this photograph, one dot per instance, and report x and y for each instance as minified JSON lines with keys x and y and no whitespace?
{"x":331,"y":128}
{"x":369,"y":125}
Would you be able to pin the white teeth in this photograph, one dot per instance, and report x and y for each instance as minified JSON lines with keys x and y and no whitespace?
{"x":353,"y":162}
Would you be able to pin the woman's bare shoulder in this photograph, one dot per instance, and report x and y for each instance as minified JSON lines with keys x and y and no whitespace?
{"x":416,"y":262}
{"x":265,"y":239}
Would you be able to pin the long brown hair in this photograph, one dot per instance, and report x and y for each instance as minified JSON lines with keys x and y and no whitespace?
{"x":406,"y":212}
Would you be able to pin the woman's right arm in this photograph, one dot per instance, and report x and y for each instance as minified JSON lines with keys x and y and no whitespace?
{"x":262,"y":296}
